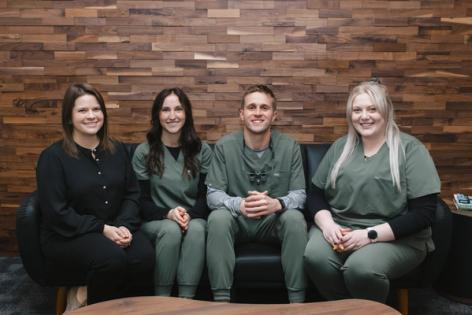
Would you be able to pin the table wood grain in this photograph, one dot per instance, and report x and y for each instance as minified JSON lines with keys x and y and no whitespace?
{"x":177,"y":306}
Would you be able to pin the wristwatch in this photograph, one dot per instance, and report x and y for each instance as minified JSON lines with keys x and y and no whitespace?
{"x":372,"y":235}
{"x":282,"y":204}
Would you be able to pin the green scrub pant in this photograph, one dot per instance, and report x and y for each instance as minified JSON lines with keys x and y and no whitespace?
{"x":177,"y":253}
{"x":287,"y":228}
{"x":362,"y":274}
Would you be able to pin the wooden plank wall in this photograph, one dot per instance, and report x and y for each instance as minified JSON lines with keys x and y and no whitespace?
{"x":312,"y":52}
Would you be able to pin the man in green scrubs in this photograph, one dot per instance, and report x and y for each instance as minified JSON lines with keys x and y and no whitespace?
{"x":256,"y":191}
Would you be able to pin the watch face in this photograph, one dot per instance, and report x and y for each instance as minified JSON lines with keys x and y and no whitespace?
{"x":372,"y":234}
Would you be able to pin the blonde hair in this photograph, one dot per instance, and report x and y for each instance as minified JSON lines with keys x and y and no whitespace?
{"x":379,"y":96}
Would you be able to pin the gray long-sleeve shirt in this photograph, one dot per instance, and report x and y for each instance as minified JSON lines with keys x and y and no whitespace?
{"x":218,"y":198}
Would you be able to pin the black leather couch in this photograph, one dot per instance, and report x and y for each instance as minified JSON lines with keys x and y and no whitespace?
{"x":258,"y":266}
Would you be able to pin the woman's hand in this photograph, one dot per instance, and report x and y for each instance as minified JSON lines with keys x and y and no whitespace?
{"x":354,"y":240}
{"x":127,"y":237}
{"x":120,"y":236}
{"x":333,"y":233}
{"x":179,"y":215}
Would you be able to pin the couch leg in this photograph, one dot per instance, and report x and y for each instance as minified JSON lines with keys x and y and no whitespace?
{"x":403,"y":301}
{"x":61,"y":300}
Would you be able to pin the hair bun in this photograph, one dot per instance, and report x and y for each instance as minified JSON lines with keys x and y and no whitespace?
{"x":375,"y":80}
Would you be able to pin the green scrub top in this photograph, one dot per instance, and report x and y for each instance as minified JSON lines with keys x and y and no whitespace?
{"x":365,"y":194}
{"x":172,"y":188}
{"x":233,"y":162}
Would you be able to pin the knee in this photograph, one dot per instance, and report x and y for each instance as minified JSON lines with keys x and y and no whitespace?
{"x":219,"y":221}
{"x":171,"y":233}
{"x":318,"y":255}
{"x":293,"y":221}
{"x":314,"y":260}
{"x":197,"y":228}
{"x":360,"y":274}
{"x":114,"y":262}
{"x":310,"y":258}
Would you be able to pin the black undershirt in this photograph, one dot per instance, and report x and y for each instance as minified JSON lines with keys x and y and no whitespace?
{"x":174,"y":151}
{"x":421,"y":212}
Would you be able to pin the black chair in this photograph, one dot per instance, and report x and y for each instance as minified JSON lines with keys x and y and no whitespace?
{"x":428,"y":272}
{"x":28,"y":218}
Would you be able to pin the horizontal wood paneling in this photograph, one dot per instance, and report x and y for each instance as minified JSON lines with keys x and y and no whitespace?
{"x":312,"y":52}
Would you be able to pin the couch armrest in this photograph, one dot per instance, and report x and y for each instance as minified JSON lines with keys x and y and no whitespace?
{"x":442,"y":237}
{"x":28,"y":219}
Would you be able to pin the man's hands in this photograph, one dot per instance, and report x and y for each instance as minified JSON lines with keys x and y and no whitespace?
{"x":179,"y":215}
{"x":121,"y":236}
{"x":258,"y":204}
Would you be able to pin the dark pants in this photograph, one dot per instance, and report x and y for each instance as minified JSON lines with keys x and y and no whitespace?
{"x":108,"y":270}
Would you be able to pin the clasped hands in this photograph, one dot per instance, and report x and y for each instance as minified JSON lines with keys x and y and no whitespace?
{"x":121,"y":236}
{"x":180,"y":216}
{"x":345,"y":239}
{"x":258,"y":204}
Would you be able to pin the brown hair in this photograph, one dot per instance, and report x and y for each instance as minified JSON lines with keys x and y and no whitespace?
{"x":189,"y":141}
{"x":75,"y":91}
{"x":262,"y":89}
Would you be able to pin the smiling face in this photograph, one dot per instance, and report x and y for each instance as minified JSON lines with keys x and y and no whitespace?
{"x":257,"y":113}
{"x":87,"y":117}
{"x":172,"y":116}
{"x":366,"y":118}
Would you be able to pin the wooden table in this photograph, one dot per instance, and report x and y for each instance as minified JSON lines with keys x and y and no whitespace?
{"x":176,"y":306}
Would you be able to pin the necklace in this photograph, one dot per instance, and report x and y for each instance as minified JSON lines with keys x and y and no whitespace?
{"x":258,"y":176}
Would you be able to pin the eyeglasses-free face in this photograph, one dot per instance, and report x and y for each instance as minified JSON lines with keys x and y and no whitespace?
{"x":257,"y":113}
{"x":87,"y":116}
{"x":172,"y":115}
{"x":366,"y":118}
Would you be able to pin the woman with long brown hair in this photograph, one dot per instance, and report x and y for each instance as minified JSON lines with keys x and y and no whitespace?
{"x":171,"y":167}
{"x":88,"y":194}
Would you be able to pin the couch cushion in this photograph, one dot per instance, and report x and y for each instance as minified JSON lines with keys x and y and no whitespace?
{"x":258,"y":265}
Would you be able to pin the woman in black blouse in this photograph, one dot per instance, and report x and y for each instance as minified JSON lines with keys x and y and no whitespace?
{"x":88,"y":195}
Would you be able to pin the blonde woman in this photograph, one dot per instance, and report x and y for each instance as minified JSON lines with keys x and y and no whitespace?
{"x":372,"y":199}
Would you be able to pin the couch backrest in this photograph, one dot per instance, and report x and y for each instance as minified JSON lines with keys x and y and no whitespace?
{"x":131,"y":147}
{"x":312,"y":155}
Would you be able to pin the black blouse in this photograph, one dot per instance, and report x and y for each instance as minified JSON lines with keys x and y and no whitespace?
{"x":80,"y":195}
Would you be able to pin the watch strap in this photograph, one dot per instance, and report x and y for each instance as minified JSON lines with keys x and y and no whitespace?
{"x":282,"y":204}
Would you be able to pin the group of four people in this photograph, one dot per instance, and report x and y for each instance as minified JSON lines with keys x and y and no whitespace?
{"x":372,"y":200}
